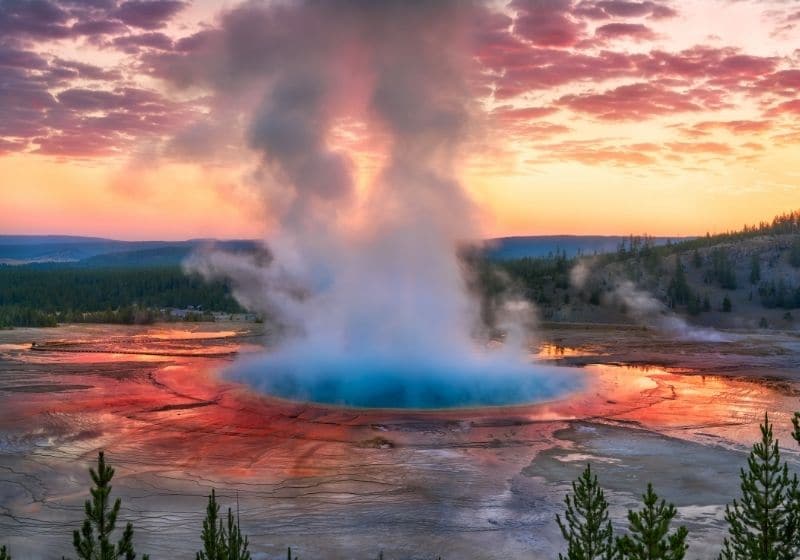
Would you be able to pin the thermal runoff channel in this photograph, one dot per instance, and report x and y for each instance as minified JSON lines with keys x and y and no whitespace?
{"x":363,"y":280}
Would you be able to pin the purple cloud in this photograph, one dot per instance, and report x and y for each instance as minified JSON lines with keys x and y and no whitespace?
{"x":148,"y":14}
{"x":133,"y":43}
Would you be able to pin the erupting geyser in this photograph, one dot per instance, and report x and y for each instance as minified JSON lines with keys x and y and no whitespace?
{"x":366,"y":380}
{"x":365,"y":283}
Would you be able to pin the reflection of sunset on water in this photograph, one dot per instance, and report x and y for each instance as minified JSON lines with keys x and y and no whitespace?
{"x":159,"y":402}
{"x":177,"y":409}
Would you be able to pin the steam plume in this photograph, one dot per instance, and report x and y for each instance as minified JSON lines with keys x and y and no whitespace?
{"x":370,"y":285}
{"x":645,"y":309}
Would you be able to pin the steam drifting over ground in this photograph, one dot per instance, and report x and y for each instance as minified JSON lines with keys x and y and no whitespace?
{"x":365,"y":279}
{"x":650,"y":312}
{"x":645,"y":309}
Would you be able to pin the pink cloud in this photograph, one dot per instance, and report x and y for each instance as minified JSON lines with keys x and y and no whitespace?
{"x":786,"y":108}
{"x":148,"y":14}
{"x":783,"y":82}
{"x":636,"y":31}
{"x":608,"y":9}
{"x":735,"y":127}
{"x":547,"y":23}
{"x":700,"y":147}
{"x":595,"y":152}
{"x":507,"y":113}
{"x":133,"y":43}
{"x":635,"y":101}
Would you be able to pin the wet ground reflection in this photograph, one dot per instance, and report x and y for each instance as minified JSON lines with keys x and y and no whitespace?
{"x":342,"y":480}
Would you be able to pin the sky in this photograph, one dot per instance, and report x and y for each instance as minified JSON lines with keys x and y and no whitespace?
{"x":666,"y":117}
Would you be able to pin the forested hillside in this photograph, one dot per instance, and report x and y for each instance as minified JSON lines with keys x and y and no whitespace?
{"x":746,"y":278}
{"x":36,"y":296}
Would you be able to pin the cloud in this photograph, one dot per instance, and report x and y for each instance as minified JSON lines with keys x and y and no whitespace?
{"x":704,"y":62}
{"x":734,"y":127}
{"x":33,"y":18}
{"x":595,"y":152}
{"x":547,"y":23}
{"x":508,"y":114}
{"x":785,"y":83}
{"x":98,"y":27}
{"x":545,"y":69}
{"x":716,"y":148}
{"x":87,"y":71}
{"x":10,"y":56}
{"x":635,"y":31}
{"x":148,"y":14}
{"x":132,"y":43}
{"x":636,"y":101}
{"x":605,"y":9}
{"x":100,"y":100}
{"x":24,"y":102}
{"x":536,"y":52}
{"x":786,"y":108}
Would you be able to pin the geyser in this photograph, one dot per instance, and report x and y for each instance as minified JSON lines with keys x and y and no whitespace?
{"x":365,"y":284}
{"x":364,"y":380}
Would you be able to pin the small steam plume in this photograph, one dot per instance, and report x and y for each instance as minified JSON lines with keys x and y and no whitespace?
{"x":367,"y":281}
{"x":645,"y":309}
{"x":579,"y":274}
{"x":648,"y":311}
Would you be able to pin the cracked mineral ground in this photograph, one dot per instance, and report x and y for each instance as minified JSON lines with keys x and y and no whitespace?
{"x":341,"y":483}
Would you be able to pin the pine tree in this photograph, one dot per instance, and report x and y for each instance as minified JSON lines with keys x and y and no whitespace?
{"x":212,"y":535}
{"x":679,"y":290}
{"x":222,"y":541}
{"x":650,"y":537}
{"x":794,"y":254}
{"x":235,"y":544}
{"x":4,"y":555}
{"x":697,"y":260}
{"x":764,"y":525}
{"x":755,"y":270}
{"x":587,"y":528}
{"x":93,"y":542}
{"x":726,"y":304}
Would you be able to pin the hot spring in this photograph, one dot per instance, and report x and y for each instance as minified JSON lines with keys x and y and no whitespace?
{"x":368,"y":276}
{"x":388,"y":381}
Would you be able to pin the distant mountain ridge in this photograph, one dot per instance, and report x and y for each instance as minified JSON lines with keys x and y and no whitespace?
{"x":505,"y":248}
{"x":93,"y":251}
{"x":67,"y":250}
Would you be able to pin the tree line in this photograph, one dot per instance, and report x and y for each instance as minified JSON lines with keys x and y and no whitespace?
{"x":762,"y":524}
{"x":546,"y":280}
{"x":33,"y":296}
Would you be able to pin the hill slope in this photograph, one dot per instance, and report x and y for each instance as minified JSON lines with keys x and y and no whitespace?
{"x":744,"y":279}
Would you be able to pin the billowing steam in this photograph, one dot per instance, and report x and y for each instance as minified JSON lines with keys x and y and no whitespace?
{"x":365,"y":279}
{"x":645,"y":309}
{"x":648,"y":311}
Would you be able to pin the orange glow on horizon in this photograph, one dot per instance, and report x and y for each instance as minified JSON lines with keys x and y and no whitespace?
{"x":672,"y":132}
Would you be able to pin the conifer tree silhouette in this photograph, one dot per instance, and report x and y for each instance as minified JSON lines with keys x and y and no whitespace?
{"x":586,"y":526}
{"x":222,"y":541}
{"x":763,"y":525}
{"x":93,"y":541}
{"x":649,"y":535}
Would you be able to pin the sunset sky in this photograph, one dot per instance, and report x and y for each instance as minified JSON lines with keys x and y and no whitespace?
{"x":590,"y":117}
